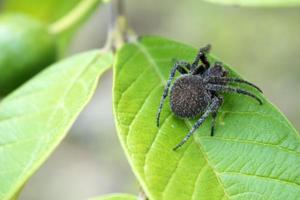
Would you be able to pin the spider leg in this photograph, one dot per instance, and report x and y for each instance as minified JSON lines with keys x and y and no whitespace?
{"x":224,"y":88}
{"x":198,"y":70}
{"x":181,"y":64}
{"x":177,"y":66}
{"x":225,"y":80}
{"x":213,"y":107}
{"x":214,"y":116}
{"x":201,"y":56}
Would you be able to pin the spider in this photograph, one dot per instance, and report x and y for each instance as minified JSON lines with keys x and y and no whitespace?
{"x":197,"y":91}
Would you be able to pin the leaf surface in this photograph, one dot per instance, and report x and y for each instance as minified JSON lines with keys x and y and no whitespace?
{"x":257,"y":3}
{"x":37,"y":116}
{"x":255,"y":153}
{"x":116,"y":197}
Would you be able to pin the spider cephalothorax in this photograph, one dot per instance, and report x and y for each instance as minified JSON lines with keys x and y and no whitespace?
{"x":197,"y":90}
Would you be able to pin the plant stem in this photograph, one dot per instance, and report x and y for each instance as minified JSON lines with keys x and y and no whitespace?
{"x":118,"y":32}
{"x":71,"y":19}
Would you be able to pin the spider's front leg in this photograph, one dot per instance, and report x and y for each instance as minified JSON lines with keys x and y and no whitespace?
{"x":227,"y":80}
{"x":201,"y":56}
{"x":212,"y":108}
{"x":228,"y":89}
{"x":178,"y":66}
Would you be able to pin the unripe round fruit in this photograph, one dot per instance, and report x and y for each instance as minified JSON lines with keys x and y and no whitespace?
{"x":26,"y":47}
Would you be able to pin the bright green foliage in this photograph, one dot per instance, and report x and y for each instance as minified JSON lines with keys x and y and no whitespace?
{"x":36,"y":117}
{"x":265,"y":3}
{"x":255,"y":153}
{"x":116,"y":197}
{"x":26,"y":48}
{"x":46,"y":10}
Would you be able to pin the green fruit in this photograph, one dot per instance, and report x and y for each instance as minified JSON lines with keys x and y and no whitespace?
{"x":26,"y":47}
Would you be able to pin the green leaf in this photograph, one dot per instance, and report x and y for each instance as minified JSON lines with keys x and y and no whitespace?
{"x":46,"y":10}
{"x":255,"y":153}
{"x":36,"y":117}
{"x":263,"y":3}
{"x":116,"y":197}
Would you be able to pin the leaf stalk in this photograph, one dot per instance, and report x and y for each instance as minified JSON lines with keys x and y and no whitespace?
{"x":119,"y":31}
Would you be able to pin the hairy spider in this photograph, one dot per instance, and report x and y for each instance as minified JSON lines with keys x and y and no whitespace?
{"x":197,"y":90}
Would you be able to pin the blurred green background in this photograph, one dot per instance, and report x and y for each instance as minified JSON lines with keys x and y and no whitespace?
{"x":262,"y":44}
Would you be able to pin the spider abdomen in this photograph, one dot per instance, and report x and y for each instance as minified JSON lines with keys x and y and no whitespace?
{"x":188,"y":96}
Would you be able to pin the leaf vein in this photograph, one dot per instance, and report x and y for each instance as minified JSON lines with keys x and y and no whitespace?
{"x":263,"y":177}
{"x":250,"y":142}
{"x":140,"y":110}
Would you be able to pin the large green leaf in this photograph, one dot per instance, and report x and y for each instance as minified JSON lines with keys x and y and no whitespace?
{"x":116,"y":197}
{"x":264,"y":3}
{"x":255,"y":153}
{"x":37,"y":116}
